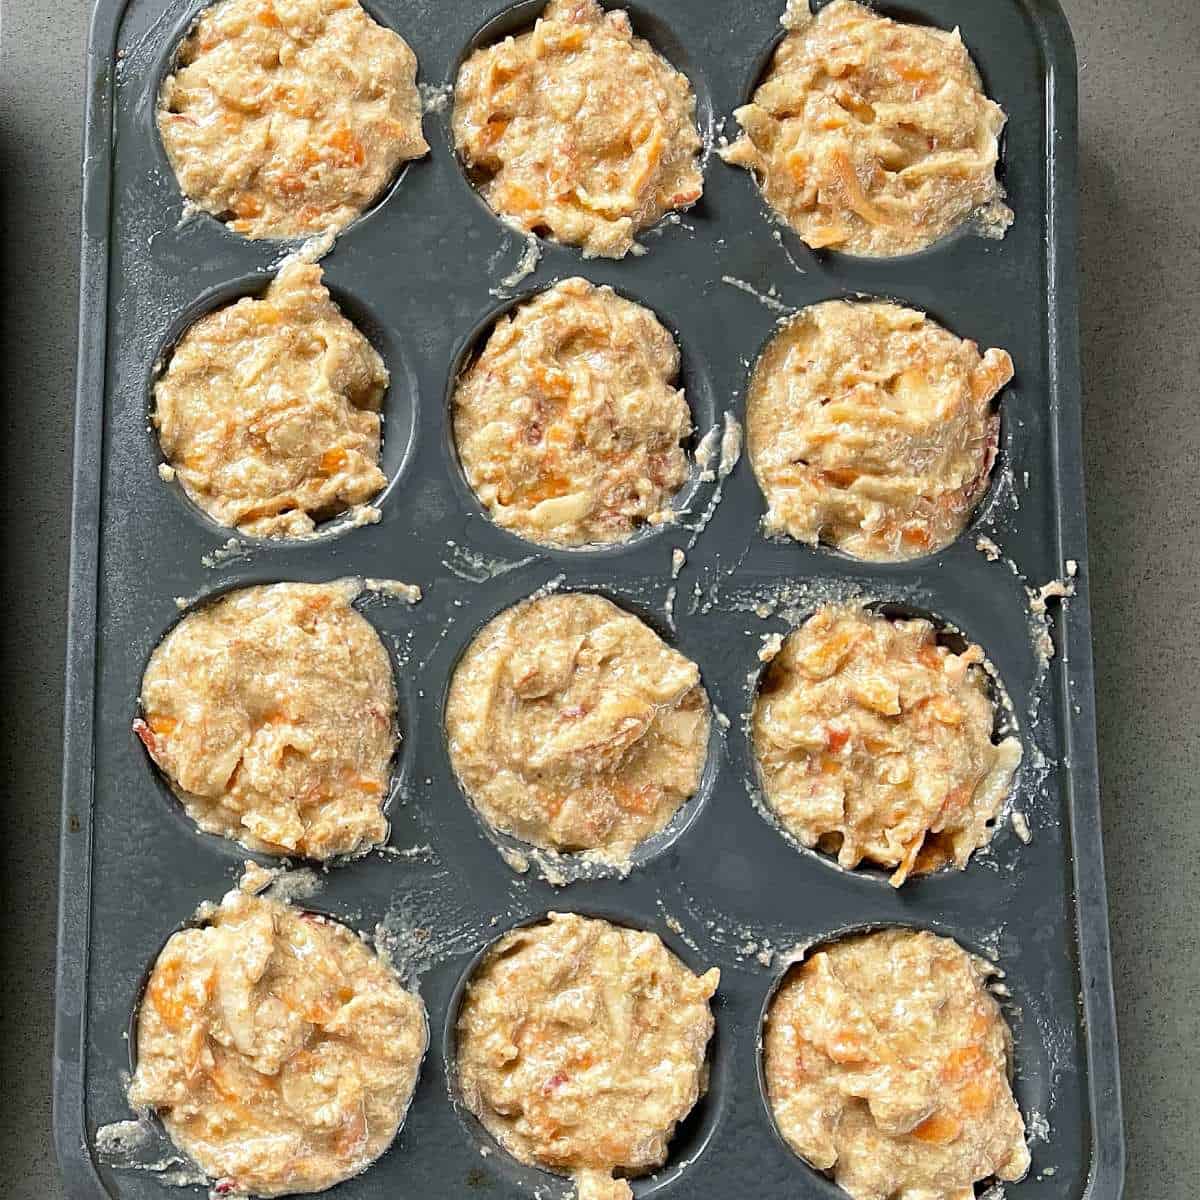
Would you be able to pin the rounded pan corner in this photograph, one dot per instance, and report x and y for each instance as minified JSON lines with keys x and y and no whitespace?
{"x":76,"y":1167}
{"x":1050,"y":19}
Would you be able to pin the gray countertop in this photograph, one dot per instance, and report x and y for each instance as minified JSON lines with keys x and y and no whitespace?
{"x":1140,"y":141}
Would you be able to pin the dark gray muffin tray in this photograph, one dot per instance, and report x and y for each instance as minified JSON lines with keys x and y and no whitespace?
{"x":422,"y":274}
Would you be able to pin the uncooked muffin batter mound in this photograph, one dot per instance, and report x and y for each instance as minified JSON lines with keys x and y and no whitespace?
{"x":268,"y":411}
{"x":581,"y":1045}
{"x":272,"y":713}
{"x":888,"y":1063}
{"x":578,"y":130}
{"x":875,"y":742}
{"x":279,"y":1051}
{"x":569,"y":424}
{"x":573,"y":726}
{"x":872,"y":429}
{"x":871,"y":136}
{"x":286,"y":118}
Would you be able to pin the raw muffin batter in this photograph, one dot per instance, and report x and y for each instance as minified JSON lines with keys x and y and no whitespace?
{"x":875,"y":742}
{"x":573,"y":726}
{"x":871,"y":428}
{"x":268,"y":411}
{"x":581,"y":1045}
{"x":280,"y":1053}
{"x":872,"y":136}
{"x":272,"y":712}
{"x":888,"y":1063}
{"x":286,"y":118}
{"x":569,"y":423}
{"x":578,"y":130}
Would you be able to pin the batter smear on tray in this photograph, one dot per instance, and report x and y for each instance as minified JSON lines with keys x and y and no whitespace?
{"x":581,"y":1045}
{"x":287,"y":118}
{"x":873,"y":429}
{"x":875,"y":742}
{"x":268,"y":412}
{"x":569,"y":424}
{"x":272,"y":712}
{"x":573,"y":726}
{"x":279,"y":1051}
{"x":578,"y":130}
{"x":872,"y":136}
{"x":888,"y":1064}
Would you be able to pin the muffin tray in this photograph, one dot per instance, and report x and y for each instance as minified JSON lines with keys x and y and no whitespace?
{"x":423,"y":273}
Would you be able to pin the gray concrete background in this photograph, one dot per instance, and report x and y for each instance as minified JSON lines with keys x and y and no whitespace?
{"x":1141,"y":232}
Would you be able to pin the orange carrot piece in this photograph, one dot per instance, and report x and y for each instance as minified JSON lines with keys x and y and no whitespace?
{"x":247,"y":206}
{"x":976,"y":1098}
{"x":852,"y":190}
{"x":938,"y":1130}
{"x":835,"y":739}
